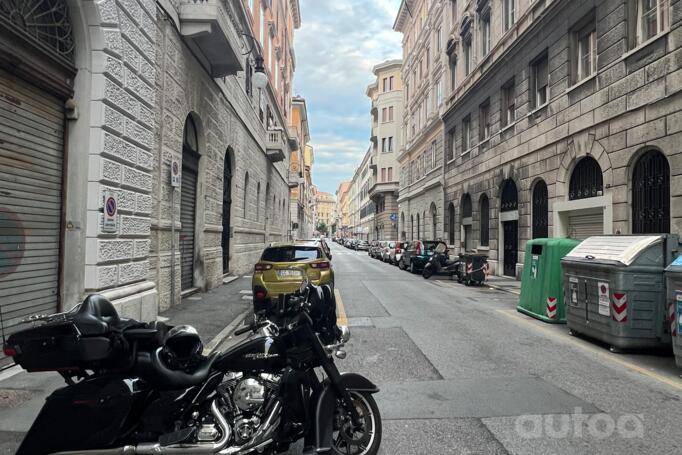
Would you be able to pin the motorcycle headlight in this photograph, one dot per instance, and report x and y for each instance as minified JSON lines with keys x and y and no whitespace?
{"x":345,"y":333}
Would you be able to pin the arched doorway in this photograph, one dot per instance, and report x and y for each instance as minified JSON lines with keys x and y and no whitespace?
{"x":586,"y":182}
{"x":651,"y":194}
{"x":434,"y":221}
{"x":485,"y":220}
{"x":403,"y":233}
{"x":227,"y":210}
{"x":411,"y":227}
{"x":37,"y":71}
{"x":451,"y":224}
{"x":418,"y":228}
{"x":467,"y":222}
{"x":540,"y":210}
{"x":188,"y":199}
{"x":510,"y":227}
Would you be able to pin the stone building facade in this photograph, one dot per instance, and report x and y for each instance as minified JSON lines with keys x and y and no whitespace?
{"x":361,"y":208}
{"x":565,"y":124}
{"x":424,"y":26}
{"x":387,"y":113}
{"x":112,"y":92}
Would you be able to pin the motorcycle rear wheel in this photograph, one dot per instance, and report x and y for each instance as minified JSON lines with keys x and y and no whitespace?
{"x":362,"y":442}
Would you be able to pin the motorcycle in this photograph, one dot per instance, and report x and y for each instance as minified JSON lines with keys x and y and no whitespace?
{"x":441,"y":264}
{"x":136,"y":388}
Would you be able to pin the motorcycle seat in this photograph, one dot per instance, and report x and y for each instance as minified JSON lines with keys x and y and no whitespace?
{"x":154,"y":370}
{"x":96,"y":316}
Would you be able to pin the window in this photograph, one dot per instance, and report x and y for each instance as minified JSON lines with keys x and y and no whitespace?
{"x":258,"y":202}
{"x":486,"y":38}
{"x":384,"y":114}
{"x":246,"y":195}
{"x":584,"y":51}
{"x":439,"y":92}
{"x":453,"y":73}
{"x":383,"y":145}
{"x":271,"y":53}
{"x":407,"y":92}
{"x":467,"y":56}
{"x":509,"y":14}
{"x":261,"y":25}
{"x":385,"y":84}
{"x":451,"y":144}
{"x":390,"y":83}
{"x":586,"y":180}
{"x":540,"y":211}
{"x":508,"y":104}
{"x":451,"y":224}
{"x":439,"y":39}
{"x":650,"y":18}
{"x":539,"y":81}
{"x":433,"y":155}
{"x":466,"y":134}
{"x":485,"y":220}
{"x":390,"y":113}
{"x":484,"y":121}
{"x":383,"y":174}
{"x":390,"y":143}
{"x":428,"y":59}
{"x":651,"y":194}
{"x":390,"y":174}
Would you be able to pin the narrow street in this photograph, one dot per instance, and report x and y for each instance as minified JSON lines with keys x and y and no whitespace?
{"x":461,"y":372}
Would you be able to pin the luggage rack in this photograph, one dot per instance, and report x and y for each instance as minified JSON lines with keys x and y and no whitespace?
{"x":50,"y":318}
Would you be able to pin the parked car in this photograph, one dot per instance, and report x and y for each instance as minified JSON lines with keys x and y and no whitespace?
{"x":396,"y":252}
{"x":282,"y":266}
{"x":417,"y":254}
{"x":362,"y":245}
{"x":386,"y":250}
{"x":323,"y":244}
{"x":373,"y":247}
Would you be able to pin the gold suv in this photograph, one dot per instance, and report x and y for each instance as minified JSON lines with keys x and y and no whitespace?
{"x":282,"y":267}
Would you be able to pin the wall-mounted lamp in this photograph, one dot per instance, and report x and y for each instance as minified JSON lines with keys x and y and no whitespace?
{"x":260,"y":77}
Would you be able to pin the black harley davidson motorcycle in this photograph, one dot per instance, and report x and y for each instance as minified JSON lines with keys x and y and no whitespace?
{"x":136,"y":388}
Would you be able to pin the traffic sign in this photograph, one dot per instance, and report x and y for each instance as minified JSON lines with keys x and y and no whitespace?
{"x":110,"y":212}
{"x":175,"y":173}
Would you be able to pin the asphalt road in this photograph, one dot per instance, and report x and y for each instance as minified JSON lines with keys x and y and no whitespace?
{"x":461,"y":372}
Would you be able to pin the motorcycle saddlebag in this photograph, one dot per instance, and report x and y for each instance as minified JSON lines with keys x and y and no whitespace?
{"x":58,"y":347}
{"x":89,"y":415}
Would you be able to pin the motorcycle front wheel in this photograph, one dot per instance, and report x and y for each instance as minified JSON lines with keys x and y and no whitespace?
{"x":426,"y":273}
{"x":363,"y":441}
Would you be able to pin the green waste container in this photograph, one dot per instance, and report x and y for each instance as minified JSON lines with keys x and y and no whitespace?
{"x":542,"y":294}
{"x":673,"y":276}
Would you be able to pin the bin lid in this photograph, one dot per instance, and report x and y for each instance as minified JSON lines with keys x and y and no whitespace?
{"x":622,"y":249}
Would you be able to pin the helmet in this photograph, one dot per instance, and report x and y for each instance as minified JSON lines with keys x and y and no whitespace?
{"x":182,"y":346}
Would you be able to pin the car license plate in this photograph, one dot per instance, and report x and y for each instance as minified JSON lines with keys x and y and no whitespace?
{"x":289,"y":273}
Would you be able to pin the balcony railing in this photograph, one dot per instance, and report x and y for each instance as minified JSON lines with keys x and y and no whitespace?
{"x":275,"y":145}
{"x":209,"y":31}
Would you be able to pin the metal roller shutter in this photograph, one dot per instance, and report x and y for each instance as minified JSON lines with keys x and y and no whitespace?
{"x":31,"y":159}
{"x":583,"y":226}
{"x":187,"y":219}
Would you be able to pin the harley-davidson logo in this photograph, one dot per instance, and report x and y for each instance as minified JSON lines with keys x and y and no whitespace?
{"x":260,"y":356}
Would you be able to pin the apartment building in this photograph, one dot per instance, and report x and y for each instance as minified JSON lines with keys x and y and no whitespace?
{"x":425,"y":72}
{"x":387,"y":113}
{"x":563,"y":121}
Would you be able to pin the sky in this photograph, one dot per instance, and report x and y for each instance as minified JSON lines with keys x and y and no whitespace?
{"x":336,"y":47}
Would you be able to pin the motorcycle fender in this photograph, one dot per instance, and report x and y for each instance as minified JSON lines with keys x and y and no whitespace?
{"x":325,"y":407}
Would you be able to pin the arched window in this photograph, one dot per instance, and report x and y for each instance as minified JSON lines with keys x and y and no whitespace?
{"x":466,"y":206}
{"x":651,"y":194}
{"x":411,"y":227}
{"x":434,"y":221}
{"x":467,"y":222}
{"x":485,"y":220}
{"x":540,"y":211}
{"x":586,"y":180}
{"x":403,"y":230}
{"x":258,"y":202}
{"x":451,"y":224}
{"x":246,"y":194}
{"x":510,"y":199}
{"x":418,"y":228}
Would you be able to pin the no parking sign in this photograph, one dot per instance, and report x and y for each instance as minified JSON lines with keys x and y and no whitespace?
{"x":110,"y":212}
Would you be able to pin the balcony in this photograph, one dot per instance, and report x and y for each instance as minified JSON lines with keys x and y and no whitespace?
{"x":209,"y":32}
{"x":383,"y":188}
{"x":295,"y":179}
{"x":275,"y":145}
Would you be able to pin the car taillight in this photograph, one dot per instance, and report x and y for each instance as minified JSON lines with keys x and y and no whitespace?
{"x":398,"y":250}
{"x":260,"y":267}
{"x":320,"y":265}
{"x":419,"y":249}
{"x":9,"y":351}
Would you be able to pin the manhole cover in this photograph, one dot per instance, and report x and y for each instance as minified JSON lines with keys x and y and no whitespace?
{"x":10,"y":398}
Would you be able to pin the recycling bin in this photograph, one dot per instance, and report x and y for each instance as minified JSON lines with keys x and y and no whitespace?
{"x":673,"y":277}
{"x":542,"y":294}
{"x":614,"y":289}
{"x":474,"y":268}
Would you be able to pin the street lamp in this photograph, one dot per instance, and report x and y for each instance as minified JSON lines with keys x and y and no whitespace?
{"x":260,"y":77}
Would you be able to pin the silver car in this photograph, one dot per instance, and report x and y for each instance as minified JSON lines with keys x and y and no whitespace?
{"x":396,"y":252}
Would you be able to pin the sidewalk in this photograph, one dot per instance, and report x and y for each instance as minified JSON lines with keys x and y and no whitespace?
{"x":214,"y":314}
{"x":503,"y":283}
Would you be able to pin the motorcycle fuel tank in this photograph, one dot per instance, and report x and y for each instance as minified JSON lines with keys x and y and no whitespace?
{"x":258,"y":355}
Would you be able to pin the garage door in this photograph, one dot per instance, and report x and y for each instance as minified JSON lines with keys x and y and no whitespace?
{"x":585,"y":225}
{"x":187,"y":220}
{"x":31,"y":159}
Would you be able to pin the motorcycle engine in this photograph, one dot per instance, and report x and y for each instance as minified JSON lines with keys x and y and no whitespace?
{"x":245,"y":398}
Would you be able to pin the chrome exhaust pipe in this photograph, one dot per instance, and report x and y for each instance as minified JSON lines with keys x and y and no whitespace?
{"x":262,"y":437}
{"x":175,"y":449}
